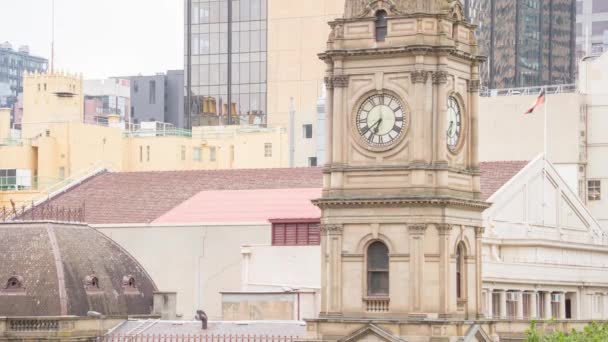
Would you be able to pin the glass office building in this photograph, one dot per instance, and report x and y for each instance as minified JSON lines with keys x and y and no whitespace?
{"x":213,"y":55}
{"x":527,"y":42}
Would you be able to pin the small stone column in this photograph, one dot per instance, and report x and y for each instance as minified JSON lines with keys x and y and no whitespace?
{"x":440,"y":79}
{"x":519,"y":313}
{"x":329,"y":117}
{"x":445,"y":299}
{"x":548,"y":313}
{"x":416,"y":236}
{"x":331,"y":247}
{"x":503,"y":304}
{"x":533,"y":303}
{"x":339,"y":82}
{"x":478,"y":263}
{"x":562,"y":305}
{"x":490,"y":303}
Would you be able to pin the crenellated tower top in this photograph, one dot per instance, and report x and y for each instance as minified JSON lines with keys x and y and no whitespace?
{"x":367,"y":8}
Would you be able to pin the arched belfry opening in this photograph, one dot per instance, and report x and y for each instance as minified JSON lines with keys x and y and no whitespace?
{"x":381,"y":25}
{"x":377,"y":269}
{"x":461,"y":272}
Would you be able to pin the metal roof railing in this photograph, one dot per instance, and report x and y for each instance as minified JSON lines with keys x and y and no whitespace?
{"x":552,"y":89}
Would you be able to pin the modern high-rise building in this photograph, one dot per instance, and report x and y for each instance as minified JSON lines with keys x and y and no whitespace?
{"x":527,"y":42}
{"x":218,"y":51}
{"x":14,"y":63}
{"x":274,"y":65}
{"x":591,"y":27}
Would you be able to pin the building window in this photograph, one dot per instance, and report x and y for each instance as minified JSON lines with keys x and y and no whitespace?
{"x":62,"y":173}
{"x":555,"y":302}
{"x":312,"y":161}
{"x":295,"y":234}
{"x":197,"y":154}
{"x":594,"y":190}
{"x":91,"y":283}
{"x":212,"y":153}
{"x":526,"y":303}
{"x":148,"y":153}
{"x":460,"y":272}
{"x":495,"y":305}
{"x":511,"y":304}
{"x":183,"y":152}
{"x":540,"y":304}
{"x":268,"y":150}
{"x":152,"y":99}
{"x":135,"y":86}
{"x":377,"y":269}
{"x":141,"y":154}
{"x":14,"y":283}
{"x":381,"y":26}
{"x":307,"y":131}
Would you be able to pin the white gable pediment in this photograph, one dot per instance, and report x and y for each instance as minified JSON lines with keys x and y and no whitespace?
{"x":371,"y":333}
{"x":535,"y":205}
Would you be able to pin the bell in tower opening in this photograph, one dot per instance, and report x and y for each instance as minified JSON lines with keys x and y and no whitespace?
{"x":401,"y":216}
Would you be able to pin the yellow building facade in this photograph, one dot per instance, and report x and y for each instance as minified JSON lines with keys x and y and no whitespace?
{"x":55,"y":146}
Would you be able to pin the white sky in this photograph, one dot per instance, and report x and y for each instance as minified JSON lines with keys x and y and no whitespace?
{"x":99,"y":38}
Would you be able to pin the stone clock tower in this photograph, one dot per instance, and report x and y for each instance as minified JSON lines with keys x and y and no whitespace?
{"x":401,"y":210}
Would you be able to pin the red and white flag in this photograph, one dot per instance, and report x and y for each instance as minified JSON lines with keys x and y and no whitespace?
{"x":539,"y":101}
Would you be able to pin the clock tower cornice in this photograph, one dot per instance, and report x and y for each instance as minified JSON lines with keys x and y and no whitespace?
{"x":419,"y":50}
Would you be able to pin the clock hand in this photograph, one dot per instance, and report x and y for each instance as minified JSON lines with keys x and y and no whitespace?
{"x":449,"y":131}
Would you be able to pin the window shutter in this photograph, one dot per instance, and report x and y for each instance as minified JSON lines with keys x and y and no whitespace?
{"x":314,"y":235}
{"x":302,"y":234}
{"x":291,"y":237}
{"x":278,"y":234}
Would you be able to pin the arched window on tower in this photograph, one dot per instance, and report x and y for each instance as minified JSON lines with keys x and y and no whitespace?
{"x":381,"y":26}
{"x":377,"y":269}
{"x":460,"y":272}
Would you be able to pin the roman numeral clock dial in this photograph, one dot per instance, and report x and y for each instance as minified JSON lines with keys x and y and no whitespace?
{"x":381,"y":120}
{"x":454,"y":124}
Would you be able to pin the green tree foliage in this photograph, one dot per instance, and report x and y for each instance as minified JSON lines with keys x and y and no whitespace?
{"x":594,"y":332}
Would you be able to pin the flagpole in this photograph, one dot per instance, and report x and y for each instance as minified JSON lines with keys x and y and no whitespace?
{"x":545,"y":129}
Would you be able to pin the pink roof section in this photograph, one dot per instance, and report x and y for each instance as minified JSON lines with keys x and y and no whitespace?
{"x":240,"y":206}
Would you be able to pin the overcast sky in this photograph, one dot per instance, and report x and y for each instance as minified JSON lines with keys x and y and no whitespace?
{"x":99,"y":38}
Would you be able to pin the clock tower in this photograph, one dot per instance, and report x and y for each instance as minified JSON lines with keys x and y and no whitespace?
{"x":401,"y":218}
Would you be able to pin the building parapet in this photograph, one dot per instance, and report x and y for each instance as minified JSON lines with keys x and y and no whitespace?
{"x":552,"y":89}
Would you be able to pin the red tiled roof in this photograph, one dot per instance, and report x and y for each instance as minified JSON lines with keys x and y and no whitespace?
{"x":142,"y":197}
{"x":258,"y":205}
{"x":495,"y":174}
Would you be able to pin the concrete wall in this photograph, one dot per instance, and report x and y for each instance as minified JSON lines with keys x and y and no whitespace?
{"x":195,"y":261}
{"x":294,"y":267}
{"x":505,"y":133}
{"x":593,"y":80}
{"x":142,"y":109}
{"x":297,"y":32}
{"x":43,"y":104}
{"x":269,"y":306}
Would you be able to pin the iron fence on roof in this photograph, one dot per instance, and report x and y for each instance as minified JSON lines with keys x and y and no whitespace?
{"x":553,"y":89}
{"x":42,"y":212}
{"x":200,"y":337}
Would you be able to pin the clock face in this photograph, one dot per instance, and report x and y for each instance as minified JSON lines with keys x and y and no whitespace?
{"x":381,"y":120}
{"x":454,"y":124}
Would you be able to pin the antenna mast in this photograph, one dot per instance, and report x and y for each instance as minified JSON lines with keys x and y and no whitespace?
{"x":53,"y":37}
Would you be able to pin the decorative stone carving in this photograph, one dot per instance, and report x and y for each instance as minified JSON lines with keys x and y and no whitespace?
{"x":479,"y":231}
{"x":366,"y":8}
{"x":329,"y":84}
{"x":417,"y":229}
{"x":331,"y":228}
{"x":440,"y":77}
{"x":473,"y":86}
{"x":444,"y":228}
{"x":340,"y":81}
{"x":419,"y":76}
